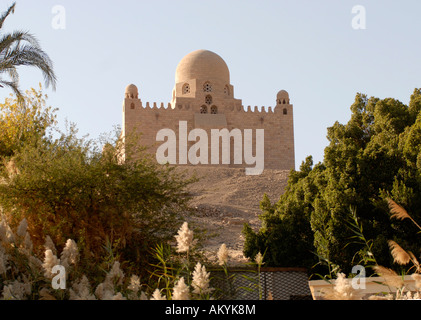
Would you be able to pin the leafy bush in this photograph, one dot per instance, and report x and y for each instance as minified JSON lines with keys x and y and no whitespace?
{"x":82,"y":189}
{"x":376,"y":155}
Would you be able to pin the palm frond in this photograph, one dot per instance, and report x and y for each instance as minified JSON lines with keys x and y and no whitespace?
{"x":20,"y":48}
{"x":3,"y":17}
{"x":15,"y":38}
{"x":27,"y":55}
{"x":14,"y":87}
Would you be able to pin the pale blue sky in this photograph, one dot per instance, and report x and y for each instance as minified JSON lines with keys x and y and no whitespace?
{"x":308,"y":48}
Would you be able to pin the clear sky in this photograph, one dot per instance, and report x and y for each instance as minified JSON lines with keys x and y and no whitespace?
{"x":306,"y":47}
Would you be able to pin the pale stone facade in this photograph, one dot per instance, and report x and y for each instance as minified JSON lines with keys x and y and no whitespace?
{"x":204,"y":97}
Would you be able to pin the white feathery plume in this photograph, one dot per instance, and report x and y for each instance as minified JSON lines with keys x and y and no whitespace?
{"x":223,"y":254}
{"x":81,"y":290}
{"x":343,"y":290}
{"x":34,"y":263}
{"x":16,"y":290}
{"x":134,"y":284}
{"x":7,"y":293}
{"x":391,"y":277}
{"x":6,"y":234}
{"x":104,"y":291}
{"x":259,"y":259}
{"x":181,"y":290}
{"x":116,"y":275}
{"x":157,"y":295}
{"x":201,"y":280}
{"x":50,"y":261}
{"x":49,"y":244}
{"x":134,"y":287}
{"x":184,"y":238}
{"x":70,"y":254}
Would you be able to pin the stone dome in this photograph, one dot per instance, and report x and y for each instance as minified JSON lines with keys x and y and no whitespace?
{"x":282,"y":97}
{"x":202,"y":64}
{"x":131,"y":91}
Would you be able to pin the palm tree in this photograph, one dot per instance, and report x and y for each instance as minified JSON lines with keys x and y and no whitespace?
{"x":21,"y":48}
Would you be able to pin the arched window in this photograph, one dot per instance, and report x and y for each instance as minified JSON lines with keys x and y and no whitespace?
{"x":227,"y":90}
{"x":132,"y":106}
{"x":203,"y":109}
{"x":214,"y":110}
{"x":186,"y":88}
{"x":285,"y":111}
{"x":208,"y":99}
{"x":207,"y":87}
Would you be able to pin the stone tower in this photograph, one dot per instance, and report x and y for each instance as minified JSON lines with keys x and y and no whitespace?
{"x":203,"y":98}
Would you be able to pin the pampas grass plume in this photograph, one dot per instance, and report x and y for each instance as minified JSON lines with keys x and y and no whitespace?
{"x":390,"y":276}
{"x":223,"y":254}
{"x":184,"y":238}
{"x":399,"y":212}
{"x":181,"y":290}
{"x":400,"y":256}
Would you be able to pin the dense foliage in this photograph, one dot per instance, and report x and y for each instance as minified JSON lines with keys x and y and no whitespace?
{"x":78,"y":188}
{"x":374,"y":156}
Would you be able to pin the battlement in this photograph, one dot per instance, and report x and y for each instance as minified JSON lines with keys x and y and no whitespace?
{"x":160,"y":106}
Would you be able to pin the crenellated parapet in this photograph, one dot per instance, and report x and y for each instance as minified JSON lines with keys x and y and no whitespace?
{"x":136,"y":104}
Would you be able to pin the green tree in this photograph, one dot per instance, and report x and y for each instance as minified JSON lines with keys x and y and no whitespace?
{"x":78,"y":188}
{"x":22,"y":124}
{"x":286,"y":234}
{"x":20,"y":48}
{"x":374,"y":156}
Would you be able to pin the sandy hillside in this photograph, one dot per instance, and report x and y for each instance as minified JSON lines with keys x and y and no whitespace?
{"x":226,"y":198}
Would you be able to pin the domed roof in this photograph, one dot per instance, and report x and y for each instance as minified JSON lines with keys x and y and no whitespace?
{"x":132,"y":89}
{"x":283,"y":95}
{"x":202,"y":64}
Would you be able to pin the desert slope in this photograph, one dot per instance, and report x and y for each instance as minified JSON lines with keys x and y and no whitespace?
{"x":226,"y":198}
